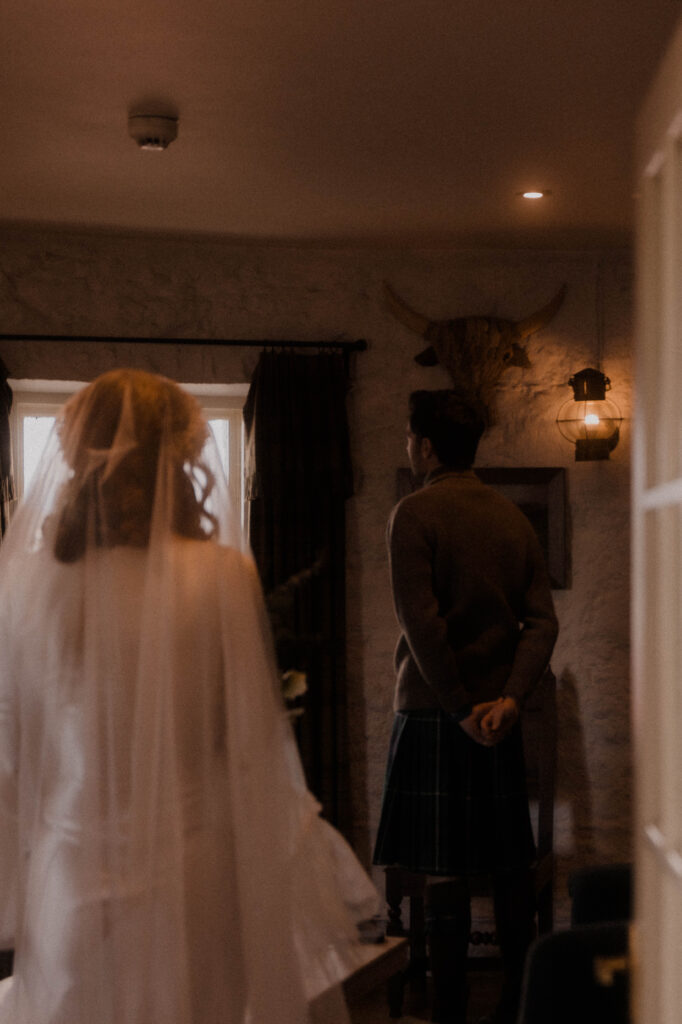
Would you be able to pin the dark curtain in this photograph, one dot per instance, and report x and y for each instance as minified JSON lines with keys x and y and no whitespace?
{"x":6,"y":478}
{"x":298,"y":477}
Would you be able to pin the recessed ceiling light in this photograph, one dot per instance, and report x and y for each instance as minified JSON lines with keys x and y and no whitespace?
{"x":152,"y":131}
{"x":534,"y":194}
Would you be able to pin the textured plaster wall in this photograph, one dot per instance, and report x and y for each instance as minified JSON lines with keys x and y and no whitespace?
{"x":95,"y":284}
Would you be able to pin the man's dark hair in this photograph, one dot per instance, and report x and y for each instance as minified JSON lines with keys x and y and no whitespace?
{"x":452,"y":421}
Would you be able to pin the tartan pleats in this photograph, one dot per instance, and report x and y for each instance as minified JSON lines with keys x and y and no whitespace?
{"x":452,"y":806}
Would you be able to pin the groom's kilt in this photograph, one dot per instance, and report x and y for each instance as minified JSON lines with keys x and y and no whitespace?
{"x":450,"y":805}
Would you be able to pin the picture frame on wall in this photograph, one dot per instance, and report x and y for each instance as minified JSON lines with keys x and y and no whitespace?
{"x":540,"y":493}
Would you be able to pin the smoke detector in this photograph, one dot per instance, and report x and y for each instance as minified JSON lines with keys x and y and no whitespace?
{"x":152,"y":131}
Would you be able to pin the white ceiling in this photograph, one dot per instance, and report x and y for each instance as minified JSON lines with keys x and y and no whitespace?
{"x":333,"y":121}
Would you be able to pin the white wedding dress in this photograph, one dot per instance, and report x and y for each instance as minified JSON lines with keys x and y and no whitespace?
{"x":161,"y":860}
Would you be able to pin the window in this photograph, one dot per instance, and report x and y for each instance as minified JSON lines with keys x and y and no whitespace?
{"x":36,"y":403}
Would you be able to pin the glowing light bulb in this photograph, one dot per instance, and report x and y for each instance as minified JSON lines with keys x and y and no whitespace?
{"x":591,"y":419}
{"x":533,"y":195}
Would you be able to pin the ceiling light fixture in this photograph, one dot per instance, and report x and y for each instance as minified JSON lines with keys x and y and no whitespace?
{"x":153,"y":132}
{"x":534,"y":194}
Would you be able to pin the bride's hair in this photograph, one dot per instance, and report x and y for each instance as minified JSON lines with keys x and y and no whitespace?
{"x":112,"y":433}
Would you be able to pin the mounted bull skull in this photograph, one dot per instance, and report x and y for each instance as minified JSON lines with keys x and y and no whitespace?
{"x":475,"y":350}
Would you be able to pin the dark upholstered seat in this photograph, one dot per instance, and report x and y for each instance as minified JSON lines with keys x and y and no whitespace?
{"x":578,"y":975}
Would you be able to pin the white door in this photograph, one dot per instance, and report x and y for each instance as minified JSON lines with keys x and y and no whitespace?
{"x":657,"y":552}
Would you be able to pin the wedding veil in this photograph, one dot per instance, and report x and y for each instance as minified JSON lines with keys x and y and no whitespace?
{"x":162,"y":859}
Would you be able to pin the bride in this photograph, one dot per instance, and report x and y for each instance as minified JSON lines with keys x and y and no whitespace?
{"x":160,"y":857}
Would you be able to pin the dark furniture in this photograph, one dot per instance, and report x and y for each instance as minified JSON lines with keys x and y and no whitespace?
{"x":582,"y":974}
{"x":601,"y":893}
{"x":578,"y":975}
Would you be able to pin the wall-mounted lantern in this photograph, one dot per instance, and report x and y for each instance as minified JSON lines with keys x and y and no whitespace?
{"x":590,"y":420}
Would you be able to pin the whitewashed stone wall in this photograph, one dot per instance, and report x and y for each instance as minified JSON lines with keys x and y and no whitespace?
{"x":97,"y":284}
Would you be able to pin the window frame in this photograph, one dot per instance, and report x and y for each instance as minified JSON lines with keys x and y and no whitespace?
{"x":218,"y":401}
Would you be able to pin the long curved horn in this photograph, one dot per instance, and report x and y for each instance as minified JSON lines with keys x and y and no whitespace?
{"x":542,"y":317}
{"x":401,"y":311}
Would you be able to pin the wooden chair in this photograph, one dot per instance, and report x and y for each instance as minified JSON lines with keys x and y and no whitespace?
{"x":539,"y":723}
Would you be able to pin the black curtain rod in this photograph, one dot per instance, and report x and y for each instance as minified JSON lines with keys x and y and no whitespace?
{"x":346,"y":346}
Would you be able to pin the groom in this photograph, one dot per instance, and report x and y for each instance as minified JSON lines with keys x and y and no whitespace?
{"x":473,"y":601}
